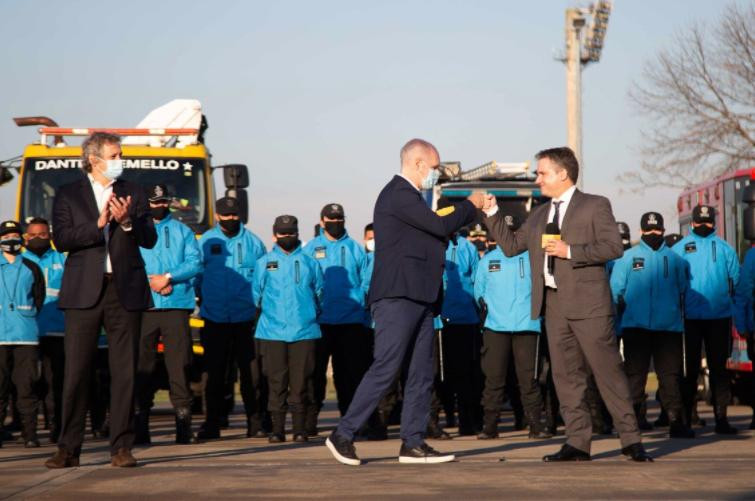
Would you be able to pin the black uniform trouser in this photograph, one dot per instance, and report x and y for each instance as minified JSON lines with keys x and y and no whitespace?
{"x":52,"y":355}
{"x":99,"y":391}
{"x":499,"y":350}
{"x":18,"y":365}
{"x":665,"y":349}
{"x":716,"y":334}
{"x":222,"y":343}
{"x":349,"y":346}
{"x":173,"y":327}
{"x":82,"y":333}
{"x":462,"y":373}
{"x":289,"y":368}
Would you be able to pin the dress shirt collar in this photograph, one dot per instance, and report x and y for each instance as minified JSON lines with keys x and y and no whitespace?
{"x":409,"y":181}
{"x":566,"y":196}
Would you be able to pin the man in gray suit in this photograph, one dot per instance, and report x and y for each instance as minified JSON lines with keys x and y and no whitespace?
{"x":570,"y":286}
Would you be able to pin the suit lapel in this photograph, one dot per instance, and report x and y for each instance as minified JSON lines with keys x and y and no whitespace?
{"x":87,"y":194}
{"x":576,"y":199}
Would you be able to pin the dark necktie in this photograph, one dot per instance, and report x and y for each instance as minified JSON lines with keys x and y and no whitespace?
{"x":556,"y":205}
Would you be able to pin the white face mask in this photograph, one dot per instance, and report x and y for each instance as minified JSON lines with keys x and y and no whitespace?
{"x":113,"y":169}
{"x":370,"y":245}
{"x":432,"y":177}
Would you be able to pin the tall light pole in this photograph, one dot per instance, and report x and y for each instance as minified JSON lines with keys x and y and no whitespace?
{"x":580,"y":51}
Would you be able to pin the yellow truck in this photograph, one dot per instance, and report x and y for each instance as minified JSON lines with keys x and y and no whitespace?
{"x":175,"y":157}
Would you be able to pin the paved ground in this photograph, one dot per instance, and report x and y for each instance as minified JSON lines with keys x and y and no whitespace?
{"x":707,"y":467}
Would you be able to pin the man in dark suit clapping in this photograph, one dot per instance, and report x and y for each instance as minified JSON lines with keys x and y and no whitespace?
{"x":570,"y":285}
{"x":101,"y":222}
{"x":405,"y":294}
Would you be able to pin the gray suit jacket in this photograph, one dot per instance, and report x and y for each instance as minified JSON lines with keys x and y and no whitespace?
{"x":590,"y":229}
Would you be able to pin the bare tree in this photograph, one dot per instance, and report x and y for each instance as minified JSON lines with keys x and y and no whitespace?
{"x":699,"y":99}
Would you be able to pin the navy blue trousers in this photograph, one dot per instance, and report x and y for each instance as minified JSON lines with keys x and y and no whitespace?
{"x":403,"y":339}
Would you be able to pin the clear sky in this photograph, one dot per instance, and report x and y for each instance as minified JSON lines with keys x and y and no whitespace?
{"x":318,"y":97}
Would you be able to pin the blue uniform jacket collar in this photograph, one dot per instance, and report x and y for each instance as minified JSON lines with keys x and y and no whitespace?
{"x":278,"y":250}
{"x":238,"y":235}
{"x":166,"y":220}
{"x":332,"y":242}
{"x":646,"y":247}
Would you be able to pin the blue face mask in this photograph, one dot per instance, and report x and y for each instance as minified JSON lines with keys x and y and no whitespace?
{"x":113,"y":169}
{"x":431,"y":179}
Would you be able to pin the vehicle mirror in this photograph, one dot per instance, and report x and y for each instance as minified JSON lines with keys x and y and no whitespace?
{"x":242,"y":197}
{"x":236,"y":176}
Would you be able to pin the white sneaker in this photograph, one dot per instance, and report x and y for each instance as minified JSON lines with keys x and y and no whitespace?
{"x":423,"y":454}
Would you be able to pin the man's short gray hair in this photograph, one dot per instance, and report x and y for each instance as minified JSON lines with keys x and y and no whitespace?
{"x":93,"y":146}
{"x":416,"y":144}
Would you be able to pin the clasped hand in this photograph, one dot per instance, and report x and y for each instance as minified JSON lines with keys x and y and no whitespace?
{"x":482,"y":201}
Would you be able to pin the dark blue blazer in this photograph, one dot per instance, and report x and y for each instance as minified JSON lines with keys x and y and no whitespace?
{"x":410,"y":244}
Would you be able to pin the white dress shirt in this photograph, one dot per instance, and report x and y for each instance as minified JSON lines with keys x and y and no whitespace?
{"x":101,"y":195}
{"x":565,"y":198}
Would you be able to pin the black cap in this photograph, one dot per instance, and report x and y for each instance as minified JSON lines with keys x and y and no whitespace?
{"x":477,"y":230}
{"x":704,"y":214}
{"x":10,"y":227}
{"x":332,"y":211}
{"x":159,"y":193}
{"x":286,"y":225}
{"x":651,"y":221}
{"x":623,"y":228}
{"x":227,"y":206}
{"x":671,"y":239}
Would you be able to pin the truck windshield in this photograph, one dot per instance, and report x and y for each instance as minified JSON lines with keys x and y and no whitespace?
{"x":184,"y":178}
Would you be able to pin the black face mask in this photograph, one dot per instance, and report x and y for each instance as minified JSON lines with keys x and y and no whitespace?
{"x":481,"y":245}
{"x":626,"y":242}
{"x":159,"y":213}
{"x":38,"y":245}
{"x":11,"y":246}
{"x":230,"y":226}
{"x":703,"y":230}
{"x":654,"y":241}
{"x":288,"y":243}
{"x":335,"y":229}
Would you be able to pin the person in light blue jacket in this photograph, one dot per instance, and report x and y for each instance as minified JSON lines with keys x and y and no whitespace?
{"x":648,"y":283}
{"x":345,"y":339}
{"x":503,"y":288}
{"x":229,"y":254}
{"x":743,"y":311}
{"x":22,"y":295}
{"x":288,"y":289}
{"x":50,"y":321}
{"x":462,"y":384}
{"x":171,"y":266}
{"x":714,"y":273}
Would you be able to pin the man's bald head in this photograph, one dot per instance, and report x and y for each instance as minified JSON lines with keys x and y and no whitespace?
{"x":418,"y":158}
{"x":416,"y":148}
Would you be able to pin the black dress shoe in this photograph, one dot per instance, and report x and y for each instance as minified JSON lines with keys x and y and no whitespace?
{"x":540,"y":434}
{"x":208,"y":432}
{"x":423,"y":454}
{"x":567,"y":453}
{"x":343,"y":450}
{"x":276,"y":438}
{"x":437,"y":433}
{"x":487,"y":435}
{"x":636,"y":452}
{"x":300,"y":438}
{"x":32,"y":443}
